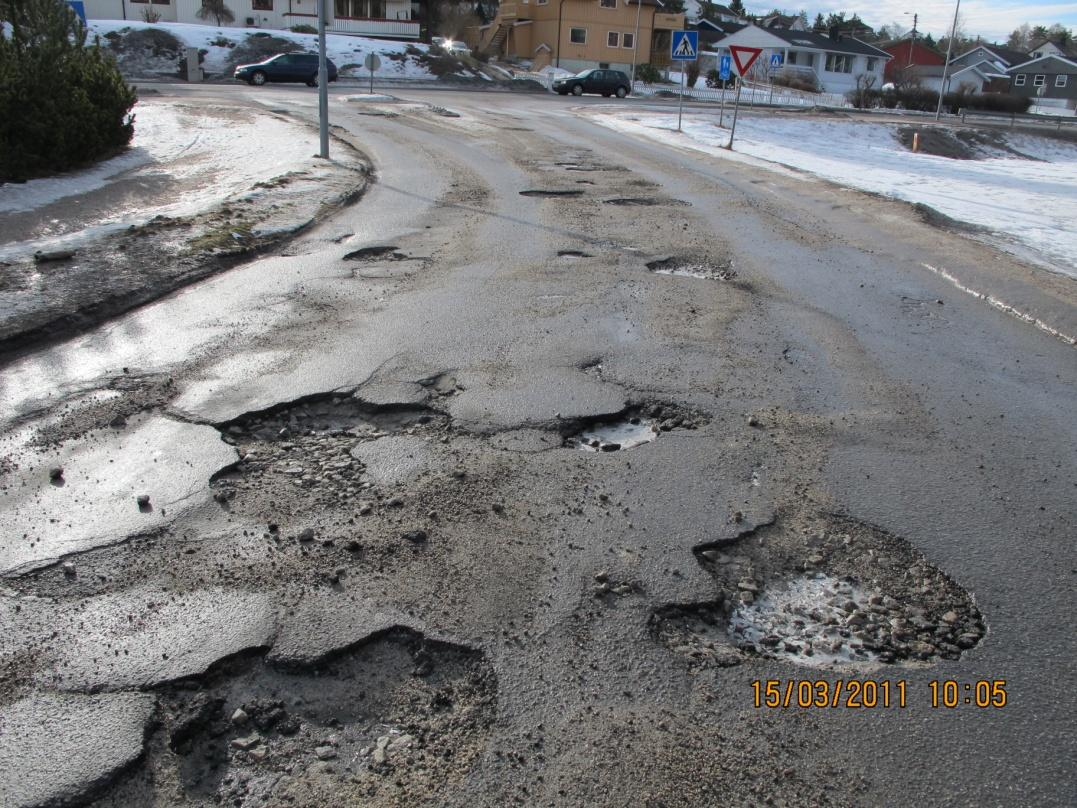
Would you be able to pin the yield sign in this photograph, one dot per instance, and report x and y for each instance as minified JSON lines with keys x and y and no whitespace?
{"x":744,"y":57}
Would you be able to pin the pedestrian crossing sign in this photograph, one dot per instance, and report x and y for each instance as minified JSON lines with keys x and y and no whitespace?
{"x":684,"y":46}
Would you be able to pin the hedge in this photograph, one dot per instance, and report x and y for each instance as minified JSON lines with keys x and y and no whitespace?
{"x":63,"y":104}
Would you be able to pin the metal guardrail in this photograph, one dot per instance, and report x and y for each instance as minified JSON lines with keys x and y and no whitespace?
{"x":1014,"y":118}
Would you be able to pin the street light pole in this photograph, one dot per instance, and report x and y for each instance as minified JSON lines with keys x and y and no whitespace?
{"x":946,"y":66}
{"x":323,"y":87}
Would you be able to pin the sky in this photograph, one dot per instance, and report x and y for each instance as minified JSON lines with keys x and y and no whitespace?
{"x":991,"y":19}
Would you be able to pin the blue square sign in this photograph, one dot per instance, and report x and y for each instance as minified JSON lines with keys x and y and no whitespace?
{"x":684,"y":47}
{"x":726,"y":67}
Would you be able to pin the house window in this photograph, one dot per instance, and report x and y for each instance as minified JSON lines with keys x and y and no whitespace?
{"x":608,"y":3}
{"x":872,"y":64}
{"x":628,"y":41}
{"x":577,"y":36}
{"x":368,"y":9}
{"x":262,"y":5}
{"x":839,"y":63}
{"x":541,"y":2}
{"x":1019,"y":80}
{"x":613,"y":39}
{"x":1060,"y":81}
{"x":1039,"y":80}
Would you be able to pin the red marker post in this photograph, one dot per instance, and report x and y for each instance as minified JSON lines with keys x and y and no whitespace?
{"x":743,"y":59}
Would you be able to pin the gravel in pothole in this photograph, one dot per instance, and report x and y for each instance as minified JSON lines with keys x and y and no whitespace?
{"x":814,"y":620}
{"x":307,"y":447}
{"x":830,"y":592}
{"x":689,"y":268}
{"x":398,"y":718}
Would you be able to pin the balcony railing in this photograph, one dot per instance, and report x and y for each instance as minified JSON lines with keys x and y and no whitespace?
{"x":397,"y":29}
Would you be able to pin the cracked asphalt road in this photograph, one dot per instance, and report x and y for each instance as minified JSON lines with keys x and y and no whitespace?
{"x":376,"y":567}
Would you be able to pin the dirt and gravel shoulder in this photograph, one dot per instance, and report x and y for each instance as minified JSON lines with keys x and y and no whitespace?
{"x":74,"y":261}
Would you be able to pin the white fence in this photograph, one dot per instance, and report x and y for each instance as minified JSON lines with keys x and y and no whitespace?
{"x":750,"y":94}
{"x":401,"y":29}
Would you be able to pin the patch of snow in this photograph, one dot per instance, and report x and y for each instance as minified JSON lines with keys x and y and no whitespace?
{"x":1031,"y":202}
{"x":369,"y":97}
{"x":341,"y":49}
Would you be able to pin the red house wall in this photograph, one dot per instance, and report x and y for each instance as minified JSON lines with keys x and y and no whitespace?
{"x":921,"y":55}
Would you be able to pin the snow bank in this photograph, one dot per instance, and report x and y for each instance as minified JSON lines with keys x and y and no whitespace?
{"x":397,"y":58}
{"x":205,"y":154}
{"x":1031,"y":202}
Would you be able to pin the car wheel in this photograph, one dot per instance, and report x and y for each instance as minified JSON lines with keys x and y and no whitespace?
{"x":313,"y":81}
{"x":258,"y":78}
{"x":622,"y":92}
{"x":577,"y":90}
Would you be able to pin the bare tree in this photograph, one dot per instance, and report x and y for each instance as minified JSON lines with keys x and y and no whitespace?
{"x":864,"y":84}
{"x":907,"y":77}
{"x":216,"y":9}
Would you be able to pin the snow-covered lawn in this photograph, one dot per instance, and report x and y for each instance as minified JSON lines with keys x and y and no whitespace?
{"x":1031,"y":200}
{"x":219,"y":44}
{"x":199,"y":155}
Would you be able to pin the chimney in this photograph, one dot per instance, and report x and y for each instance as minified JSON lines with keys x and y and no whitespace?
{"x":835,"y":33}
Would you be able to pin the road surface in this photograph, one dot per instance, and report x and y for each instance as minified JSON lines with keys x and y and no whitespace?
{"x":400,"y":547}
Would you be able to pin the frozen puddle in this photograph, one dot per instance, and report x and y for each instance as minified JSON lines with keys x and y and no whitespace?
{"x":814,"y":621}
{"x":614,"y":436}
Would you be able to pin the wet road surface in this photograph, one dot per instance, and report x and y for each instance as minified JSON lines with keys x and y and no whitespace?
{"x":374,"y":495}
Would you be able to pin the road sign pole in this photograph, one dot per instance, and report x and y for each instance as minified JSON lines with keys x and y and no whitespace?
{"x":721,"y":113}
{"x":323,"y":87}
{"x":736,"y":108}
{"x":680,"y":99}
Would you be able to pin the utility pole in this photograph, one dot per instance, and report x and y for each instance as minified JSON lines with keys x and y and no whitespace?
{"x":912,"y":42}
{"x":946,"y":66}
{"x":323,"y":87}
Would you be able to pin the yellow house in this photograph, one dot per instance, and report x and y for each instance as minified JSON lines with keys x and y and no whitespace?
{"x":580,"y":34}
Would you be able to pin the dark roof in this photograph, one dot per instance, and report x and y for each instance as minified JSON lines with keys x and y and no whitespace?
{"x":811,"y":39}
{"x":778,"y":21}
{"x":1008,"y":55}
{"x":1066,"y":49}
{"x":723,"y":28}
{"x":1067,"y":66}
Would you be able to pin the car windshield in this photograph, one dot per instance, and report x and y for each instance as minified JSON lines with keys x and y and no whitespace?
{"x":584,"y":74}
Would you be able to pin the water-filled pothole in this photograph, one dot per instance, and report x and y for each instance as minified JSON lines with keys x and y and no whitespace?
{"x":552,"y":192}
{"x":615,"y":435}
{"x":814,"y":620}
{"x":635,"y":426}
{"x":832,"y":592}
{"x":692,"y":268}
{"x":573,"y":254}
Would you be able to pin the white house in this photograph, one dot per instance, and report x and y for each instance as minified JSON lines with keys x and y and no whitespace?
{"x":835,"y":60}
{"x":381,"y":18}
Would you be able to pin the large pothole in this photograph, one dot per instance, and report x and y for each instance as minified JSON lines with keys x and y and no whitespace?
{"x":692,"y":268}
{"x":831,"y":593}
{"x":304,"y":450}
{"x":398,"y":712}
{"x":645,"y":201}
